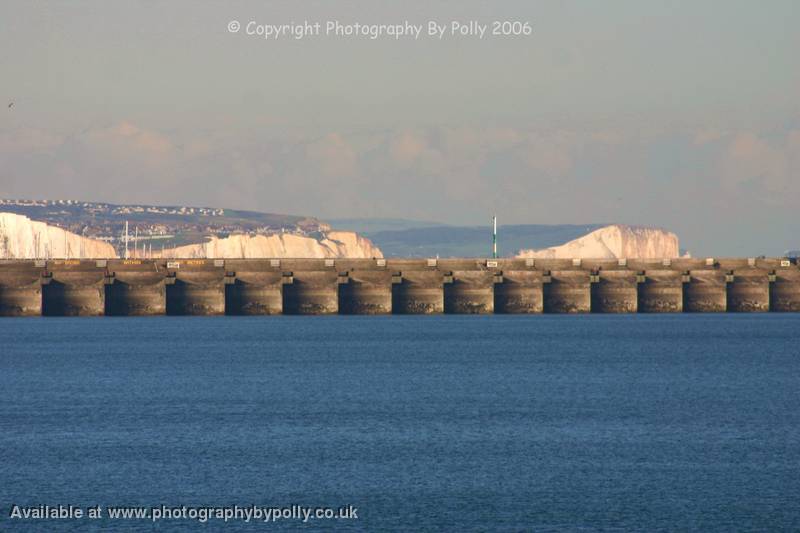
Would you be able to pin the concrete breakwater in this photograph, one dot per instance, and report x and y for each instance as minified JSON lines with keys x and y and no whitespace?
{"x":400,"y":286}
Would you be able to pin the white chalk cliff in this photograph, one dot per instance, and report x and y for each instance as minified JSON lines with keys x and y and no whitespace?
{"x":615,"y":241}
{"x":333,"y":244}
{"x":23,"y":238}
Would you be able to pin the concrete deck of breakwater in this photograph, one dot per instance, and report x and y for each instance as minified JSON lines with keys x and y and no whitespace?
{"x":402,"y":286}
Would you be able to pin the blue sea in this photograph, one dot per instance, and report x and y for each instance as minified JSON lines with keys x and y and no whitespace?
{"x":443,"y":423}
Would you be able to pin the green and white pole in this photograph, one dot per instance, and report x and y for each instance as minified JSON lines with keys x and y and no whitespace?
{"x":494,"y":237}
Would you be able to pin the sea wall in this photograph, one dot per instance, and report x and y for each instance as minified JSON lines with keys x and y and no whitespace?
{"x":398,"y":286}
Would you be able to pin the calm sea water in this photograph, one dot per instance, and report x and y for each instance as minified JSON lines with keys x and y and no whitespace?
{"x":422,"y":423}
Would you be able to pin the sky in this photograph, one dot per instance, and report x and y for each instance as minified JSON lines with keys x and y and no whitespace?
{"x":682,"y":115}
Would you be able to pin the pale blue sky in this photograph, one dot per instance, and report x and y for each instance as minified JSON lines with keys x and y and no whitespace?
{"x":679,"y":114}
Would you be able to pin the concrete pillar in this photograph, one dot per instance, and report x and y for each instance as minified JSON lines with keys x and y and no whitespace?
{"x":365,"y":292}
{"x":418,"y":292}
{"x":661,"y":292}
{"x":20,"y":289}
{"x":74,"y":288}
{"x":254,"y":293}
{"x":705,"y":292}
{"x":749,"y":291}
{"x":136,"y":287}
{"x":469,"y":292}
{"x":784,"y":294}
{"x":567,"y":291}
{"x":520,"y":292}
{"x":195,"y":287}
{"x":615,"y":291}
{"x":311,"y":293}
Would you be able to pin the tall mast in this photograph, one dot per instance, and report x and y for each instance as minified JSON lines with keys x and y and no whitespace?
{"x":494,"y":237}
{"x":126,"y":239}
